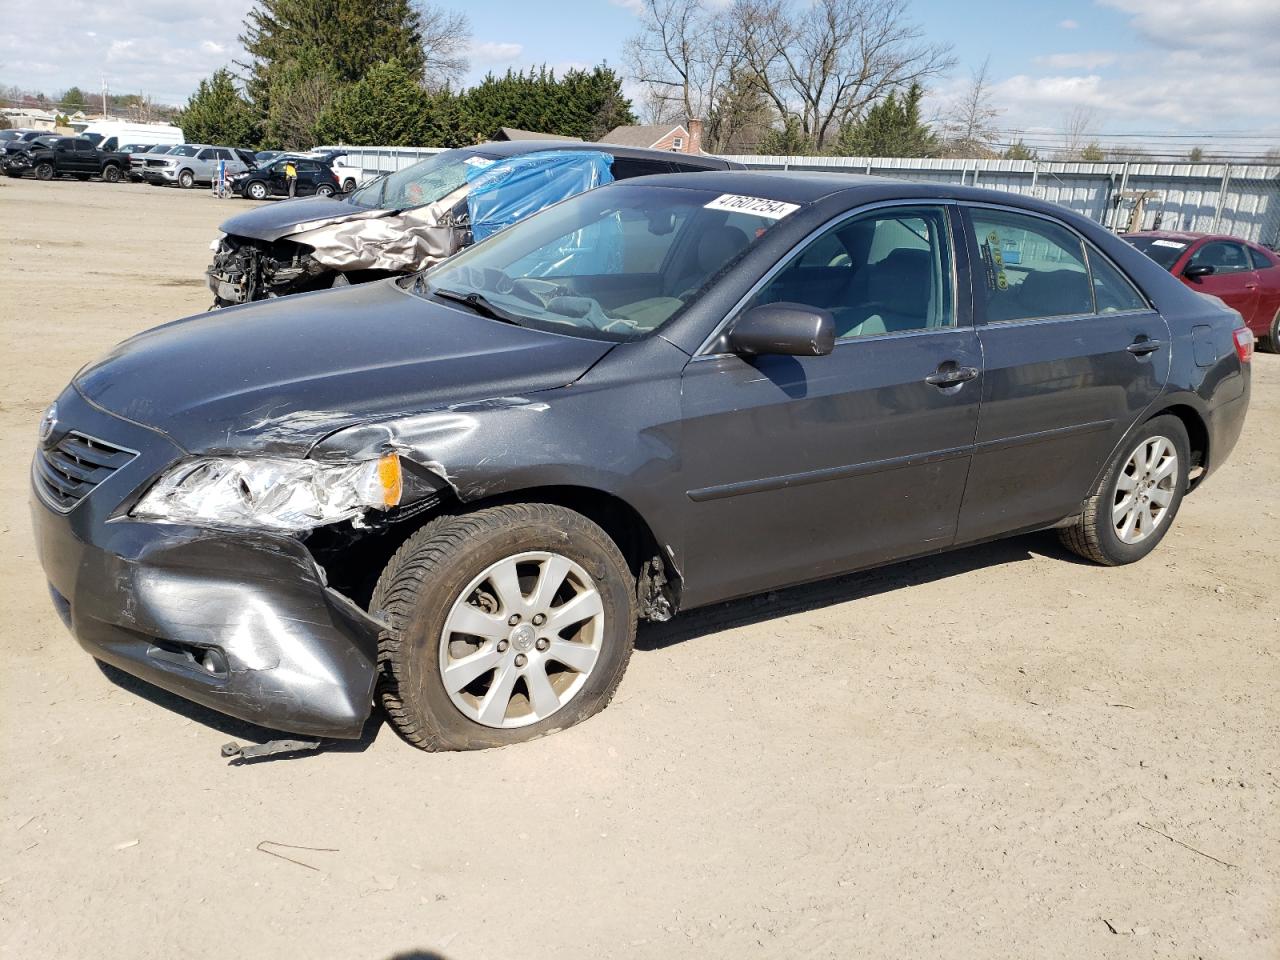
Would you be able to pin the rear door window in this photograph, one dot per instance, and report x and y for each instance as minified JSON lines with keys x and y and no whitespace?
{"x":1027,"y":267}
{"x":1113,"y":292}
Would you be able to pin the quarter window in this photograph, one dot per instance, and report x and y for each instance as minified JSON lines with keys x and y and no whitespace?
{"x":1112,"y":290}
{"x":1028,"y":267}
{"x":1223,"y":256}
{"x":884,"y":272}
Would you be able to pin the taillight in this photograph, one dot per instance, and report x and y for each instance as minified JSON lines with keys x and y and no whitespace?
{"x":1243,"y":337}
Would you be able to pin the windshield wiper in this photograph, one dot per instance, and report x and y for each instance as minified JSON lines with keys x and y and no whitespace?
{"x":478,"y":303}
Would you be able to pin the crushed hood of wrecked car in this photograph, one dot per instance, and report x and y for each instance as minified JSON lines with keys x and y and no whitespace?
{"x":279,"y":375}
{"x":275,"y":220}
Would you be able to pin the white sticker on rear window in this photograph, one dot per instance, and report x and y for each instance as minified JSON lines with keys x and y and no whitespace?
{"x":758,"y":206}
{"x":1168,"y":243}
{"x":479,"y":162}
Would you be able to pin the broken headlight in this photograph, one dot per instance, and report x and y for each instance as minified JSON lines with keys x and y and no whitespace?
{"x":271,"y":493}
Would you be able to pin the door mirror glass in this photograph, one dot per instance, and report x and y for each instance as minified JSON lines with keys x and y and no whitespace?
{"x":1197,"y":270}
{"x":789,"y":329}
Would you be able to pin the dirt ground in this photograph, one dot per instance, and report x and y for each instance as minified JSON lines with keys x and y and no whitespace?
{"x":1001,"y":752}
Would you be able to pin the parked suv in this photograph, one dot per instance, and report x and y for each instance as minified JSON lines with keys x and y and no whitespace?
{"x":192,"y":163}
{"x":315,"y":179}
{"x":67,"y":156}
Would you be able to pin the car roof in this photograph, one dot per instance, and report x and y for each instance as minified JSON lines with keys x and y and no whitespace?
{"x":516,"y":148}
{"x":1188,"y":237}
{"x":805,"y":187}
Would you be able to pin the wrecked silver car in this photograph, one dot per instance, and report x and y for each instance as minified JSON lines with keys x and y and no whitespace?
{"x":416,"y":217}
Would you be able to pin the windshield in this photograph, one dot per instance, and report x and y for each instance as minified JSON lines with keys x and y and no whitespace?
{"x":424,"y":182}
{"x":614,"y":263}
{"x":1160,"y":249}
{"x":159,"y":149}
{"x":186,"y":150}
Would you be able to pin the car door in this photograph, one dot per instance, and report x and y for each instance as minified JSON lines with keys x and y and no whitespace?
{"x":1233,"y":280}
{"x":1073,"y":354}
{"x":308,"y":176}
{"x":205,"y":166}
{"x":801,"y":467}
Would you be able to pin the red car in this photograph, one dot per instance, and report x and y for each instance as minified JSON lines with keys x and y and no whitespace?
{"x":1244,"y":275}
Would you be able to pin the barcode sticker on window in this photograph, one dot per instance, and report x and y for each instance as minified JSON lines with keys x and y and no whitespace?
{"x":757,"y":206}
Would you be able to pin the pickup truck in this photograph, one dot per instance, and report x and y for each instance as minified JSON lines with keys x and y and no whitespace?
{"x":68,"y":157}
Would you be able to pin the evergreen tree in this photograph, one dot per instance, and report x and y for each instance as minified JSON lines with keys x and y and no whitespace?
{"x":892,"y":128}
{"x":217,"y":113}
{"x":1019,"y":151}
{"x":586,"y":104}
{"x":387,"y":107}
{"x":741,"y":118}
{"x":790,"y":141}
{"x":74,"y":99}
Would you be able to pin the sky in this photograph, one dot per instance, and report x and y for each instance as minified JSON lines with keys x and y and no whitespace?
{"x":1151,"y":72}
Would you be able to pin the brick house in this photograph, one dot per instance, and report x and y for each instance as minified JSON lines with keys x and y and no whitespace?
{"x":676,"y":138}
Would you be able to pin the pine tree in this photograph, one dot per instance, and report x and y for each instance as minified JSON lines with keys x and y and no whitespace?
{"x":790,"y":141}
{"x":217,"y":113}
{"x":387,"y":107}
{"x":1019,"y":151}
{"x":892,"y":128}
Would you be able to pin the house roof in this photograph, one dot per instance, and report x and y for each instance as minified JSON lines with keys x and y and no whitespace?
{"x":514,"y":133}
{"x":642,"y":135}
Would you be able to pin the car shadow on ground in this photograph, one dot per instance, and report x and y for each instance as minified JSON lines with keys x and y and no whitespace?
{"x":656,"y":636}
{"x":854,"y":586}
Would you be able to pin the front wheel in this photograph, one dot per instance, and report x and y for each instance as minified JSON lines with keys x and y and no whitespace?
{"x":186,"y":179}
{"x":1136,"y":500}
{"x":44,"y":171}
{"x":324,"y":190}
{"x":256,"y":190}
{"x":504,"y":625}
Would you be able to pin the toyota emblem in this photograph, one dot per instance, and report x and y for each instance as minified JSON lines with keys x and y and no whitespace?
{"x":48,"y":422}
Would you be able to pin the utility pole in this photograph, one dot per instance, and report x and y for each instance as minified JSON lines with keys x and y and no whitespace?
{"x":105,"y":115}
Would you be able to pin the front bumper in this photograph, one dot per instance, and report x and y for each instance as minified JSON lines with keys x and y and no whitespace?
{"x":241,"y":622}
{"x":160,"y":175}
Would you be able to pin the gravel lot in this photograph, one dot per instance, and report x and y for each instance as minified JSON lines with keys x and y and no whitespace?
{"x":1000,"y":752}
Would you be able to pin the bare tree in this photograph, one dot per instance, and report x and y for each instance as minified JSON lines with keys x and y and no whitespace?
{"x":1078,"y":132}
{"x":682,"y":55}
{"x":826,"y":62}
{"x":446,"y":37}
{"x":971,"y":128}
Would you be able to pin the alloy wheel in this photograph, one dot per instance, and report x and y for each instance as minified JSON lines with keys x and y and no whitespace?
{"x":521,"y":639}
{"x":257,"y":191}
{"x":1144,"y":490}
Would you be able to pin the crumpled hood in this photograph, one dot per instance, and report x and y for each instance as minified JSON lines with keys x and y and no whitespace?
{"x":279,"y":375}
{"x":272,"y":221}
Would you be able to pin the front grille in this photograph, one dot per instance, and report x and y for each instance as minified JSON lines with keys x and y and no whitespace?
{"x":68,"y":472}
{"x":157,"y":163}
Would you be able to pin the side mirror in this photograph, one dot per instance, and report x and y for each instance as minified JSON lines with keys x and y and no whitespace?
{"x":1195,"y":272}
{"x":789,"y":329}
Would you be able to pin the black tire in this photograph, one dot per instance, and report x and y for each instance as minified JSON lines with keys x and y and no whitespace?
{"x":111,"y":173}
{"x":1093,"y":536}
{"x":348,"y":185}
{"x":422,"y":581}
{"x":186,"y":179}
{"x":256,"y":190}
{"x":324,"y":190}
{"x":1272,"y":342}
{"x":44,"y":171}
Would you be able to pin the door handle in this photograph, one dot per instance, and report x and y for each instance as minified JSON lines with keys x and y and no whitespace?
{"x":1251,"y":286}
{"x":1144,"y":346}
{"x":948,"y":375}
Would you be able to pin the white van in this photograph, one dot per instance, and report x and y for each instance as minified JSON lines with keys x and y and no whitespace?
{"x":112,"y":134}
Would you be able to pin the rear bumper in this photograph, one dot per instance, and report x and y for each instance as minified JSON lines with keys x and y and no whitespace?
{"x":241,"y":622}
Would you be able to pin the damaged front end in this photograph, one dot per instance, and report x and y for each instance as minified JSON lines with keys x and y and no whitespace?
{"x":244,"y":270}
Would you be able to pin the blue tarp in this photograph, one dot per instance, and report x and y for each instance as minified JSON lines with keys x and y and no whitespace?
{"x":509,"y":190}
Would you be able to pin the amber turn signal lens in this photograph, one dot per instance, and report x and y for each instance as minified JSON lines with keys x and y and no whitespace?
{"x":390,"y":479}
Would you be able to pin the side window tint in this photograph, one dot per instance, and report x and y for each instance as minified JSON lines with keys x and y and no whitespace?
{"x":624,"y":167}
{"x":1223,"y":256}
{"x":1028,"y":267}
{"x":885,"y":272}
{"x":205,"y":155}
{"x":1260,"y":261}
{"x":1112,"y":290}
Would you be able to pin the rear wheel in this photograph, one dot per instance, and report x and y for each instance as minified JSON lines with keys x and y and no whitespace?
{"x":1136,"y":500}
{"x":44,"y":171}
{"x":186,"y":179}
{"x":256,"y":190}
{"x":348,"y":185}
{"x":504,"y":625}
{"x":111,"y":173}
{"x":1273,"y":335}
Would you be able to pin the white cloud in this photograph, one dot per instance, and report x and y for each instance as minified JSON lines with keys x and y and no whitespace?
{"x":634,"y":6}
{"x":1078,"y":61}
{"x":488,"y":52}
{"x":1069,"y":24}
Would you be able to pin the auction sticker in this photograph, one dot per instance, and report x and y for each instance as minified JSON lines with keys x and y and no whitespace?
{"x":757,"y":206}
{"x":1168,"y":243}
